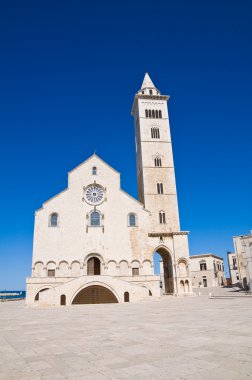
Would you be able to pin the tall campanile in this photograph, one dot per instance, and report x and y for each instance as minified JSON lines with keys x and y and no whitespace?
{"x":155,"y":167}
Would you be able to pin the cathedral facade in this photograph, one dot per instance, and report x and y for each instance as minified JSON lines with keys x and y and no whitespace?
{"x":94,"y":243}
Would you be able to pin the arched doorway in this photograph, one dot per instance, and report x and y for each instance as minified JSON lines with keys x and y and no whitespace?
{"x":93,"y":266}
{"x":94,"y":294}
{"x":163,"y":266}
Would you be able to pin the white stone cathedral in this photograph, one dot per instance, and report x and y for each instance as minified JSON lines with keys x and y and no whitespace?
{"x":94,"y":243}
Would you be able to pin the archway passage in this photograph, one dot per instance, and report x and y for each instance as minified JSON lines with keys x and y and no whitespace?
{"x":93,"y":266}
{"x":37,"y":295}
{"x":166,"y":270}
{"x":94,"y":294}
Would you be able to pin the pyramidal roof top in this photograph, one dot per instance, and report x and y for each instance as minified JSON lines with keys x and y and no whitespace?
{"x":147,"y":82}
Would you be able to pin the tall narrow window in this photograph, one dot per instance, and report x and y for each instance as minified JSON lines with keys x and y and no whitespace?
{"x":155,"y":133}
{"x":203,"y":266}
{"x":153,"y":114}
{"x":94,"y":170}
{"x":132,"y":220}
{"x":54,"y":220}
{"x":160,"y":114}
{"x":95,"y":218}
{"x":150,"y":91}
{"x":156,"y":114}
{"x":149,"y":113}
{"x":146,"y":113}
{"x":158,"y":161}
{"x":160,"y":188}
{"x":161,"y":217}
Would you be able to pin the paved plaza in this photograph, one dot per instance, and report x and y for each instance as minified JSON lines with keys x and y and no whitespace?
{"x":174,"y":338}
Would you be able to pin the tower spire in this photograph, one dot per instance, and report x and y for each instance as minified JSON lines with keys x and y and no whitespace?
{"x":148,"y":87}
{"x":147,"y":82}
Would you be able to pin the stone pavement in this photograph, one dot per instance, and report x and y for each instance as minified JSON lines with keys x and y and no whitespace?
{"x":174,"y":338}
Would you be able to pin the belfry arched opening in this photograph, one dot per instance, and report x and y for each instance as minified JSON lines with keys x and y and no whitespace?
{"x":163,"y":266}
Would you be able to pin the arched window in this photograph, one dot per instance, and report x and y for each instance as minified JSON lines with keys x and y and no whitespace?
{"x":153,"y":114}
{"x":143,"y":92}
{"x":158,"y":161}
{"x":132,"y":220}
{"x":62,"y":300}
{"x":160,"y":114}
{"x":53,"y":220}
{"x":94,"y":170}
{"x":156,"y":114}
{"x":95,"y":219}
{"x":146,"y":113}
{"x":155,"y":133}
{"x":126,"y":297}
{"x":149,"y":113}
{"x":160,"y":189}
{"x":162,"y":217}
{"x":150,"y":92}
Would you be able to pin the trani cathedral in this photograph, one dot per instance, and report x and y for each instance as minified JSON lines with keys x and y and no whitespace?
{"x":94,"y":243}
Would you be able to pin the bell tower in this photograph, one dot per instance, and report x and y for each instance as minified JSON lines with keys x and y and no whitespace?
{"x":155,"y":167}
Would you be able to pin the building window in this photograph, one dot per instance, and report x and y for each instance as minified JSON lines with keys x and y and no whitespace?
{"x":94,"y":170}
{"x":143,"y":92}
{"x":203,"y":266}
{"x":63,"y":300}
{"x":153,"y":114}
{"x":51,"y":273}
{"x":95,"y":219}
{"x":234,"y":263}
{"x":204,"y":282}
{"x":150,"y":92}
{"x":149,"y":113}
{"x":146,"y":113}
{"x":126,"y":297}
{"x":160,"y":188}
{"x":158,"y":162}
{"x":156,"y":114}
{"x":132,"y":220}
{"x":135,"y":271}
{"x":162,"y":217}
{"x":155,"y":133}
{"x":160,"y":114}
{"x":54,"y":220}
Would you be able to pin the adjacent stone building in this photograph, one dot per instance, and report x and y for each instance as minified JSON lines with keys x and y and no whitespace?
{"x":233,"y":268}
{"x":94,"y":243}
{"x":207,"y":270}
{"x":243,"y":253}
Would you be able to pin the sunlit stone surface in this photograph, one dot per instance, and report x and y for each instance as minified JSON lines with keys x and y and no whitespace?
{"x":172,"y":338}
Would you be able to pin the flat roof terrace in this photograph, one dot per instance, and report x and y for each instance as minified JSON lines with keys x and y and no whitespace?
{"x":174,"y":338}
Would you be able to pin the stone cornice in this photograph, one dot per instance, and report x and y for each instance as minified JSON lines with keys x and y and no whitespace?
{"x":148,"y":97}
{"x":167,"y":234}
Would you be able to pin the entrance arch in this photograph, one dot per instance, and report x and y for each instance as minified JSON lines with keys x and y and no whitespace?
{"x":94,"y":294}
{"x":93,"y":266}
{"x":166,"y":270}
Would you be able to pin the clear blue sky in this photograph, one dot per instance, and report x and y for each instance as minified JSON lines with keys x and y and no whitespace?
{"x":69,"y":71}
